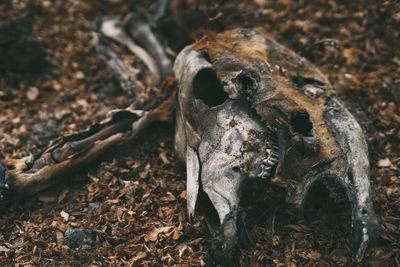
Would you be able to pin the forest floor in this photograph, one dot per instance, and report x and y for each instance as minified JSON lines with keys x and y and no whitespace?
{"x":132,"y":204}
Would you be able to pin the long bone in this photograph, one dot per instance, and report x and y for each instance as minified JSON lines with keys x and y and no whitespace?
{"x":140,"y":31}
{"x":113,"y":29}
{"x":31,"y":175}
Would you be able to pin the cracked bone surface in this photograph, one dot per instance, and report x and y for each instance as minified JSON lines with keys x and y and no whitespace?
{"x":246,"y":112}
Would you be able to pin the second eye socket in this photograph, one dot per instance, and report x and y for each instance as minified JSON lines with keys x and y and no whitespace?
{"x":208,"y":88}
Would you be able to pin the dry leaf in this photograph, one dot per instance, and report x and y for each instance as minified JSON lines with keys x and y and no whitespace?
{"x":384,"y":163}
{"x":64,"y":215}
{"x":4,"y":249}
{"x":63,"y":195}
{"x":168,"y":198}
{"x":275,"y":240}
{"x":152,"y":235}
{"x":60,"y":226}
{"x":32,"y":94}
{"x":59,"y":238}
{"x":176,"y":234}
{"x":164,"y":158}
{"x":79,"y":75}
{"x":47,"y":198}
{"x":137,"y":257}
{"x":313,"y":255}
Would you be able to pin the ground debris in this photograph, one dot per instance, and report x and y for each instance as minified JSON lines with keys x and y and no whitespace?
{"x":79,"y":237}
{"x":21,"y":51}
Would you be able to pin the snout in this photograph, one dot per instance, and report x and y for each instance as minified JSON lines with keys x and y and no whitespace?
{"x":365,"y":228}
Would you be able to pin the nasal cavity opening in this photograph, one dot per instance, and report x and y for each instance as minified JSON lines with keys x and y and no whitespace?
{"x":327,"y":204}
{"x":301,"y":81}
{"x":208,"y":88}
{"x":301,"y":122}
{"x":209,"y":210}
{"x":248,"y":80}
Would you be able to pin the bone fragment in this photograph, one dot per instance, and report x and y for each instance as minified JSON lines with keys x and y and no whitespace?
{"x":112,"y":28}
{"x":142,"y":33}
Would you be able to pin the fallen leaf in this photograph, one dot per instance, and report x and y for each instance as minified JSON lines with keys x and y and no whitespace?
{"x":63,"y":194}
{"x":79,"y":75}
{"x":47,"y":198}
{"x":177,"y":233}
{"x":64,"y":215}
{"x":32,"y":94}
{"x":59,"y":238}
{"x":275,"y":240}
{"x":4,"y":249}
{"x":164,"y":158}
{"x":60,"y":226}
{"x":152,"y":236}
{"x":260,"y":2}
{"x":137,"y":257}
{"x":168,"y":198}
{"x":384,"y":163}
{"x":313,"y":255}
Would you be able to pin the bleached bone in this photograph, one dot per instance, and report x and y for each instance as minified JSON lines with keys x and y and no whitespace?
{"x":142,"y":33}
{"x":112,"y":28}
{"x":24,"y":178}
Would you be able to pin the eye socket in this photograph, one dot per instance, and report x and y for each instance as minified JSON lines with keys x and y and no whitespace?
{"x":301,"y":122}
{"x":248,"y":80}
{"x":208,"y":88}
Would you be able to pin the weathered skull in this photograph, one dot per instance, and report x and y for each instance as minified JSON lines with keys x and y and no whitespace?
{"x":249,"y":108}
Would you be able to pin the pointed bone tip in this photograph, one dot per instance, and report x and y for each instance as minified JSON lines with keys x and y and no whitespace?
{"x":365,"y":234}
{"x":191,"y":215}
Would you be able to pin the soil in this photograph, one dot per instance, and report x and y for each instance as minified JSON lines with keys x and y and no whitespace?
{"x":131,"y":206}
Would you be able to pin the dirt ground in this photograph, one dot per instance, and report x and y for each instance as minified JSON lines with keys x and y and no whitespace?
{"x":133,"y":202}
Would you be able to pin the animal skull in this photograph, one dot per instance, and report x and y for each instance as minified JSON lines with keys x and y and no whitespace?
{"x":248,"y":109}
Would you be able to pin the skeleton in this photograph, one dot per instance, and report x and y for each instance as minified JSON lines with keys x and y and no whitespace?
{"x":248,"y":109}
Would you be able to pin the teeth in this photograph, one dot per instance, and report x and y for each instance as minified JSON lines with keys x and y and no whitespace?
{"x":269,"y":162}
{"x":274,"y":156}
{"x":265,"y":172}
{"x":271,"y":152}
{"x":262,"y":173}
{"x":266,"y":176}
{"x":266,"y":168}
